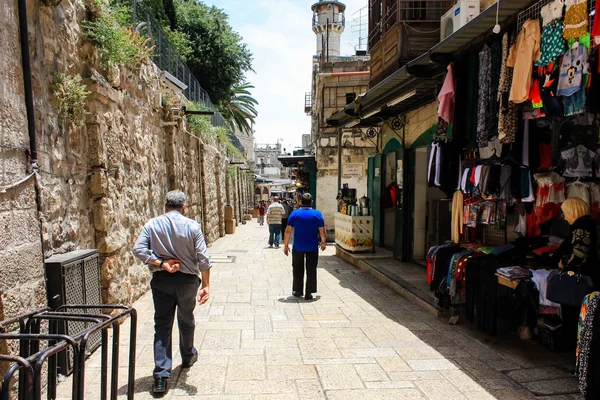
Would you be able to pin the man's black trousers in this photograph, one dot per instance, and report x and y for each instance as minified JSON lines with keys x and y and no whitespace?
{"x":172,"y":292}
{"x":300,"y":260}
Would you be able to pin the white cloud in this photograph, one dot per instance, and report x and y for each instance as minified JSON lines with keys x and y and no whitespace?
{"x":279,"y":34}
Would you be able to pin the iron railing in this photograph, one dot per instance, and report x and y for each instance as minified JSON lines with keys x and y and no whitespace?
{"x":166,"y":57}
{"x":403,"y":12}
{"x":336,"y":19}
{"x":423,"y":11}
{"x":38,"y":347}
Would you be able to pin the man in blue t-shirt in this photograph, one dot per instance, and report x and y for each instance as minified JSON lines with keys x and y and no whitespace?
{"x":308,"y":224}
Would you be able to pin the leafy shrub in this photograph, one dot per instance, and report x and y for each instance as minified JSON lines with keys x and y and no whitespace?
{"x":118,"y":45}
{"x":70,"y":97}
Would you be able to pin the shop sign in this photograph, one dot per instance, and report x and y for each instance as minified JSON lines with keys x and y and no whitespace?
{"x":352,"y":170}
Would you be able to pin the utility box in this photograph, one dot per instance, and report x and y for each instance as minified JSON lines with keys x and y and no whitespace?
{"x":229,"y":227}
{"x":228,"y":213}
{"x":73,"y":278}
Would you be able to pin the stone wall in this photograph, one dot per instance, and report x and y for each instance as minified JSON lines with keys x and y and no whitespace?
{"x":97,"y":184}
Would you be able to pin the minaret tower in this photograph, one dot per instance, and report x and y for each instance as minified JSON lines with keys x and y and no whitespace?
{"x":328,"y":24}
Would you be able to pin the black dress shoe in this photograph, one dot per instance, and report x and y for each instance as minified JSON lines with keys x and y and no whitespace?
{"x":190,"y":362}
{"x":308,"y":297}
{"x":296,"y":294}
{"x":160,"y":385}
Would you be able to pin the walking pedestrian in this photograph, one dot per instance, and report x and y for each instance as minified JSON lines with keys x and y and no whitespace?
{"x":261,"y":213}
{"x":288,"y":209}
{"x":308,"y":225}
{"x":174,"y":249}
{"x":274,"y":215}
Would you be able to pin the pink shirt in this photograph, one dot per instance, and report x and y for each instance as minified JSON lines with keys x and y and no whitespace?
{"x":446,"y":97}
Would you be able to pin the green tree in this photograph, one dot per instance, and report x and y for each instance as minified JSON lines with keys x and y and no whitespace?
{"x":219,"y":58}
{"x":240,"y":110}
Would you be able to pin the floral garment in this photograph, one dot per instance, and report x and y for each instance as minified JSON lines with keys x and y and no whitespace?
{"x":485,"y":79}
{"x":576,"y":19}
{"x":507,"y":115}
{"x":589,"y":308}
{"x":553,"y":44}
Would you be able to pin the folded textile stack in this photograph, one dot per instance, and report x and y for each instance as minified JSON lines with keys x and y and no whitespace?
{"x":514,"y":273}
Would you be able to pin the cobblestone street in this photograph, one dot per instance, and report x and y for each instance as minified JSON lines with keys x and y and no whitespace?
{"x":357,"y":339}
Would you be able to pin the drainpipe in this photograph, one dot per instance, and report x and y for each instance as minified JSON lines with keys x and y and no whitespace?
{"x":26,"y":62}
{"x":28,"y":88}
{"x":339,"y":148}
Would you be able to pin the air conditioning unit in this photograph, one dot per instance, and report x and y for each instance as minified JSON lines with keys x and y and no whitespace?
{"x":458,"y":16}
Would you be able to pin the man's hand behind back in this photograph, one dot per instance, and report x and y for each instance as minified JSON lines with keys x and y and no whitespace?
{"x":171,"y":266}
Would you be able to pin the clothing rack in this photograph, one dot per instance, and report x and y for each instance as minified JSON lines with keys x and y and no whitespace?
{"x":534,"y":11}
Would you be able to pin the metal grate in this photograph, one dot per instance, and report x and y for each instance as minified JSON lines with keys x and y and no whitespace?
{"x":74,"y":292}
{"x":535,"y":10}
{"x":74,"y":278}
{"x":91,"y":268}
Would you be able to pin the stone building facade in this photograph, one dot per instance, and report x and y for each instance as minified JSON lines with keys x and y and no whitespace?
{"x":98,"y":184}
{"x":266,"y":162}
{"x":335,"y":84}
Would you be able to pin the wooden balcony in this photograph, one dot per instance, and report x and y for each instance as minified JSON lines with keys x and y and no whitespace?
{"x":400,"y":30}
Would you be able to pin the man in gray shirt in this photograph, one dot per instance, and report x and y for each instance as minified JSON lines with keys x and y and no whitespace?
{"x":174,"y":249}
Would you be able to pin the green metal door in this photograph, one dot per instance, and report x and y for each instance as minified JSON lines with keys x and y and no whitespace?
{"x":400,"y":212}
{"x":408,"y":205}
{"x":375,"y":174}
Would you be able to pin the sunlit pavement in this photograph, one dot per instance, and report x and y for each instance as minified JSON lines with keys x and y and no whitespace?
{"x":357,"y":339}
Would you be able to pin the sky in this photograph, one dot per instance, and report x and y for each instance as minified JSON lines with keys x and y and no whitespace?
{"x":279,"y":34}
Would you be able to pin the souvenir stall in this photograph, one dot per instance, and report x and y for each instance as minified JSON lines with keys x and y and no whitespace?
{"x":353,"y":223}
{"x":525,"y":245}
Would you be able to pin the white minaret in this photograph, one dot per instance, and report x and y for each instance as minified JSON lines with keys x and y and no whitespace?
{"x":328,"y":24}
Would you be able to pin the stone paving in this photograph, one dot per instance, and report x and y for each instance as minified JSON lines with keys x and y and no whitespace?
{"x":357,"y":339}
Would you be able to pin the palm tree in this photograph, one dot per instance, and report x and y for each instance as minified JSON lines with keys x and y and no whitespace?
{"x":240,"y":111}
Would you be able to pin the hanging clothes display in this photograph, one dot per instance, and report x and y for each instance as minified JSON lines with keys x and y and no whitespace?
{"x":457,"y":216}
{"x":578,"y":161}
{"x":576,"y":18}
{"x":446,"y":96}
{"x":572,"y":70}
{"x":587,"y":341}
{"x":507,"y":113}
{"x":596,"y":28}
{"x":553,"y":106}
{"x":485,"y":79}
{"x":579,"y":190}
{"x":552,"y":11}
{"x":525,"y":51}
{"x":553,"y":43}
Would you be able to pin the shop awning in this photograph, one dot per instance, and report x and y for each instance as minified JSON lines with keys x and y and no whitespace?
{"x":294,"y":161}
{"x":416,"y":83}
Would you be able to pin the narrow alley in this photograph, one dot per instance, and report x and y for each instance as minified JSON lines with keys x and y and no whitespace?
{"x":357,"y":339}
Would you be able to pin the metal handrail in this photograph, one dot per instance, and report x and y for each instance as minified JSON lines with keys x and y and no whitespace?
{"x":166,"y":57}
{"x":33,"y":359}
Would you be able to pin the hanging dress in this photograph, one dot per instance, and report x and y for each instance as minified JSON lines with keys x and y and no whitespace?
{"x":576,"y":18}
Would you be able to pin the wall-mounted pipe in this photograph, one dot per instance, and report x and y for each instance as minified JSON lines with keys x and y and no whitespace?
{"x":26,"y":63}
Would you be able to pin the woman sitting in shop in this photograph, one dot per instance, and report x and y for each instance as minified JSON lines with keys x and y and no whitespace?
{"x":579,"y":251}
{"x":579,"y":254}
